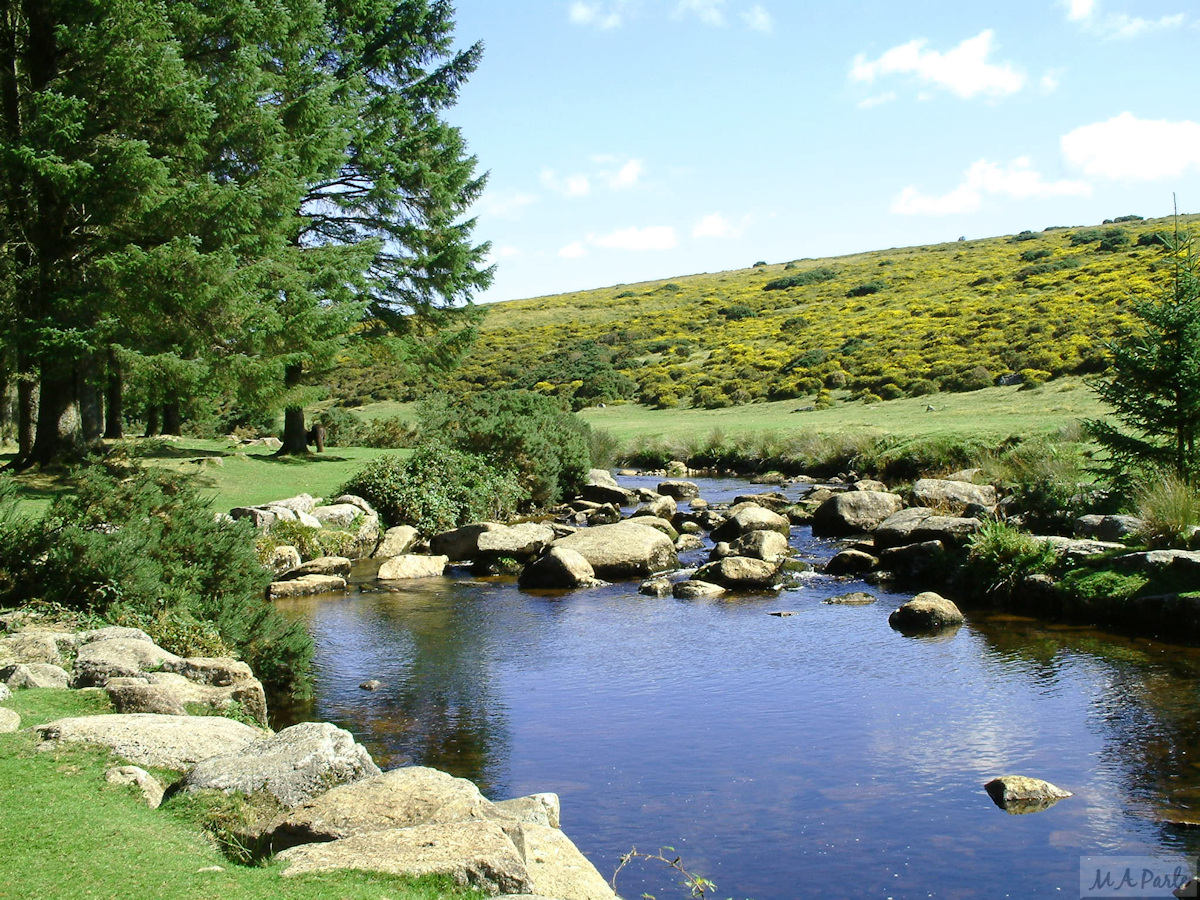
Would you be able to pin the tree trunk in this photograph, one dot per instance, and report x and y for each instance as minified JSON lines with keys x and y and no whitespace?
{"x":58,"y":428}
{"x":151,"y":420}
{"x":172,"y":421}
{"x":27,"y":401}
{"x":91,"y":402}
{"x":114,"y":399}
{"x":295,"y":435}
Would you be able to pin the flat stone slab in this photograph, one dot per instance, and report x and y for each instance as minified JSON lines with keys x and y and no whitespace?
{"x":411,"y":565}
{"x":306,"y":585}
{"x":167,"y":742}
{"x":478,"y":854}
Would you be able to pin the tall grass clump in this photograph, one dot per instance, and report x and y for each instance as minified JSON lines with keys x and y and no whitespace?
{"x":1000,"y":556}
{"x":142,"y":548}
{"x":1169,"y":508}
{"x":1047,"y":482}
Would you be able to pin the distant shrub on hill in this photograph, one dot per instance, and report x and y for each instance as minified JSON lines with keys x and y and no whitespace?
{"x":1113,"y":239}
{"x":869,"y":287}
{"x":800,"y":279}
{"x":737,"y":311}
{"x":1024,"y":236}
{"x":1032,"y":255}
{"x":1067,"y":262}
{"x":1086,"y":236}
{"x":1152,"y":239}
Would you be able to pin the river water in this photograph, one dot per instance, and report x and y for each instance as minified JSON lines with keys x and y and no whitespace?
{"x":819,"y":754}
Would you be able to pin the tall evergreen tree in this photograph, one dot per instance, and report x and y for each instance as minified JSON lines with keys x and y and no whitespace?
{"x":1154,"y":383}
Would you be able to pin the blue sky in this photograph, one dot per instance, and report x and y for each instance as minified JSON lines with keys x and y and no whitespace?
{"x":629,"y":140}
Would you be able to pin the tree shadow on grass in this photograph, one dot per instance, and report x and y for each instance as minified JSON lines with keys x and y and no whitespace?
{"x":304,"y":459}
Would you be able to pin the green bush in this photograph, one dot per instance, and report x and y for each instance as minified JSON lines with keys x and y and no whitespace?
{"x":144,"y":549}
{"x":737,"y":312}
{"x":527,"y":434}
{"x":1001,"y":556}
{"x":800,"y":279}
{"x":436,"y":489}
{"x":1034,"y":255}
{"x":870,"y":287}
{"x":390,"y":433}
{"x":342,"y":427}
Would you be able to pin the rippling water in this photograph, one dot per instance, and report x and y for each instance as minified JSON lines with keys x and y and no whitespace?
{"x":818,"y":755}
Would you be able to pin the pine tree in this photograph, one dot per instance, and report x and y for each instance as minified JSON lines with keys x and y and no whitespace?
{"x":1154,"y":383}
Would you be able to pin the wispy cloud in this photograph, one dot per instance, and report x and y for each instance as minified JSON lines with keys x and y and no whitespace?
{"x":877,"y":100}
{"x":710,"y":12}
{"x":571,"y":186}
{"x":1126,"y":148}
{"x":1117,"y":26}
{"x":758,"y":19}
{"x":715,"y":225}
{"x":1017,"y":180}
{"x":632,"y":239}
{"x":605,"y":16}
{"x":964,"y":70}
{"x":506,"y":204}
{"x":613,"y":172}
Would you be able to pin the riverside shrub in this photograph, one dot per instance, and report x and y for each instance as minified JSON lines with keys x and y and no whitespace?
{"x":144,"y":549}
{"x":530,"y":435}
{"x":436,"y":489}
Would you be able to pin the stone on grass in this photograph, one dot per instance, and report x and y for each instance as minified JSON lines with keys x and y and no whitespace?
{"x":411,"y":565}
{"x":559,"y":568}
{"x":925,"y":612}
{"x":34,"y":675}
{"x":166,"y":742}
{"x":475,"y":854}
{"x":148,"y":786}
{"x":5,"y":693}
{"x":118,"y":657}
{"x":293,"y":766}
{"x":10,"y":720}
{"x":1019,"y":794}
{"x":306,"y":585}
{"x":402,"y":798}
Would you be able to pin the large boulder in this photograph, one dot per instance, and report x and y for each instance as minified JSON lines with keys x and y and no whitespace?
{"x":169,"y":693}
{"x":35,"y":645}
{"x":854,"y":512}
{"x":950,"y":530}
{"x":662,"y":506}
{"x":523,"y":541}
{"x":337,"y":515}
{"x":305,"y":586}
{"x":34,"y":675}
{"x":401,"y":798}
{"x":557,"y":869}
{"x":623,"y":549}
{"x":293,"y":766}
{"x":119,"y":657}
{"x":750,"y":517}
{"x":739,"y":573}
{"x":952,"y":497}
{"x":412,"y":565}
{"x":301,"y":503}
{"x":926,"y":612}
{"x":851,"y":562}
{"x":461,"y":543}
{"x":148,"y":786}
{"x":559,"y":568}
{"x":1019,"y":794}
{"x":897,"y":529}
{"x":604,"y":494}
{"x":535,"y":809}
{"x":770,"y":546}
{"x":396,"y":542}
{"x":915,"y":560}
{"x":165,"y":742}
{"x":283,"y":558}
{"x":1108,"y":528}
{"x":601,"y":477}
{"x":477,"y":854}
{"x":680,"y":490}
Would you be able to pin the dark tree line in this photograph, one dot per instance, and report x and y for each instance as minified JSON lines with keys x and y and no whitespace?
{"x":208,"y":198}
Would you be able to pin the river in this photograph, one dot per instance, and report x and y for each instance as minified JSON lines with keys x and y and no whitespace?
{"x":819,"y":754}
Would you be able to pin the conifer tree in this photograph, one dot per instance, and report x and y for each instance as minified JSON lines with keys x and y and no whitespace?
{"x":1154,"y":383}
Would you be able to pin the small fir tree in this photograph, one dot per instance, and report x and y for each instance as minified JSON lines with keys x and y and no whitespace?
{"x":1153,"y":385}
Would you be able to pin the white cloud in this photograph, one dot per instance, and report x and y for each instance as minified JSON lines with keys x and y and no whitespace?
{"x":708,"y":11}
{"x":715,"y":225}
{"x":1050,"y":81}
{"x":1127,"y":148}
{"x":1117,"y":25}
{"x":573,"y":250}
{"x":626,"y":176}
{"x":1018,"y":180}
{"x":507,"y":252}
{"x":506,"y":204}
{"x":758,"y":19}
{"x":569,"y":186}
{"x":964,"y":71}
{"x":877,"y":100}
{"x":652,"y":238}
{"x":598,"y":15}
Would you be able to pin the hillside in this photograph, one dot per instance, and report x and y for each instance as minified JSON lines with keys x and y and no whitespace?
{"x":883,"y":324}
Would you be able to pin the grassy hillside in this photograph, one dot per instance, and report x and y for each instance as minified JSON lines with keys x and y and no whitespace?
{"x":884,"y":324}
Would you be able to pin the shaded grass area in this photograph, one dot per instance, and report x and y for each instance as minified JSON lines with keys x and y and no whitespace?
{"x":66,"y":833}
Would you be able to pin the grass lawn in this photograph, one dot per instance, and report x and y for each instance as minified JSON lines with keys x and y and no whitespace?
{"x":66,"y":833}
